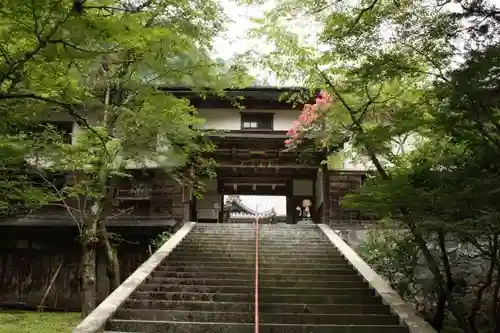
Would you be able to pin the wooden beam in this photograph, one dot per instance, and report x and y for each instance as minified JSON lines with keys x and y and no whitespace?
{"x":247,"y":103}
{"x":268,"y":161}
{"x":245,"y":134}
{"x":292,"y":166}
{"x":266,"y":172}
{"x":248,"y":190}
{"x":257,"y":179}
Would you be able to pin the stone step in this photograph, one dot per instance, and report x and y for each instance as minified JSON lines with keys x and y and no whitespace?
{"x":122,"y":325}
{"x":144,"y":326}
{"x":263,"y":307}
{"x":317,"y":255}
{"x":190,"y":305}
{"x":234,"y":234}
{"x":335,"y":259}
{"x":293,"y":282}
{"x":249,"y":289}
{"x":262,"y":241}
{"x":320,"y":270}
{"x":251,"y":240}
{"x":251,"y":245}
{"x":185,"y":316}
{"x":250,"y":297}
{"x":281,"y":225}
{"x":248,"y":317}
{"x":262,"y":247}
{"x":263,"y":262}
{"x":249,"y":275}
{"x":263,"y":251}
{"x":262,"y":228}
{"x":262,"y":233}
{"x":263,"y":266}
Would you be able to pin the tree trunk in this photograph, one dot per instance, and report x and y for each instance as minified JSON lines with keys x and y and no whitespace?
{"x":478,"y":296}
{"x":456,"y":307}
{"x":495,"y":306}
{"x":497,"y":323}
{"x":439,"y":316}
{"x":112,"y":263}
{"x":88,"y":271}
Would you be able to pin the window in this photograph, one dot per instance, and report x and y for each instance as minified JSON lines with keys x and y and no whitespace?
{"x":257,"y":121}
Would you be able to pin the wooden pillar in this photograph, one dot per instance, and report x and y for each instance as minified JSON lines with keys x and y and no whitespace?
{"x":187,"y":195}
{"x":220,"y":219}
{"x":194,"y":212}
{"x":290,"y":208}
{"x":314,"y":212}
{"x":326,"y":194}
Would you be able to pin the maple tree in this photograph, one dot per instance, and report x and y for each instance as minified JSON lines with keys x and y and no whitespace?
{"x":104,"y":66}
{"x":416,"y":88}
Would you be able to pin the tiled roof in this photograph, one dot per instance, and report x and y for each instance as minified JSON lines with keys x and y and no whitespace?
{"x":265,"y":203}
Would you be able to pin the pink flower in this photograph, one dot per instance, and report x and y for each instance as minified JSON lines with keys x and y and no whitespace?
{"x":309,"y":115}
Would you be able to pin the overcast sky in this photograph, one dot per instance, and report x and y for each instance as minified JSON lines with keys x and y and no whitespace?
{"x":236,"y":39}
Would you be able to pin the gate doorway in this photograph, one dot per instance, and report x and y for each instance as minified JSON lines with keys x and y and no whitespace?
{"x":255,"y":164}
{"x":226,"y":201}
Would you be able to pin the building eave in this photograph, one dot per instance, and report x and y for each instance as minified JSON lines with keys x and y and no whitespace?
{"x":250,"y":97}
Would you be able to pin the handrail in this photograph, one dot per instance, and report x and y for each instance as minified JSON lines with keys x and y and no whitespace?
{"x":256,"y":320}
{"x":97,"y":319}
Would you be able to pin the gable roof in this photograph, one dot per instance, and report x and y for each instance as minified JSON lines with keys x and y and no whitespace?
{"x":244,"y":206}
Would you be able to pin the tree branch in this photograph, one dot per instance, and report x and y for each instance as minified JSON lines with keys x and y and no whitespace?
{"x":8,"y":70}
{"x":81,"y":121}
{"x":79,"y":224}
{"x":361,"y":13}
{"x":357,"y":124}
{"x":78,"y":48}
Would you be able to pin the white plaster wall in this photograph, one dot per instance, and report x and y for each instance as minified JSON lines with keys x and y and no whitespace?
{"x":230,"y":119}
{"x":352,"y":161}
{"x":164,"y":160}
{"x":303,"y":187}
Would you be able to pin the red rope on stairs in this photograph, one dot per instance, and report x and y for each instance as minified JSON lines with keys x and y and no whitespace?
{"x":256,"y":275}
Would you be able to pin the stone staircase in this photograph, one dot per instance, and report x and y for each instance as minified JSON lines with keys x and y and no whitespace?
{"x":207,"y":285}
